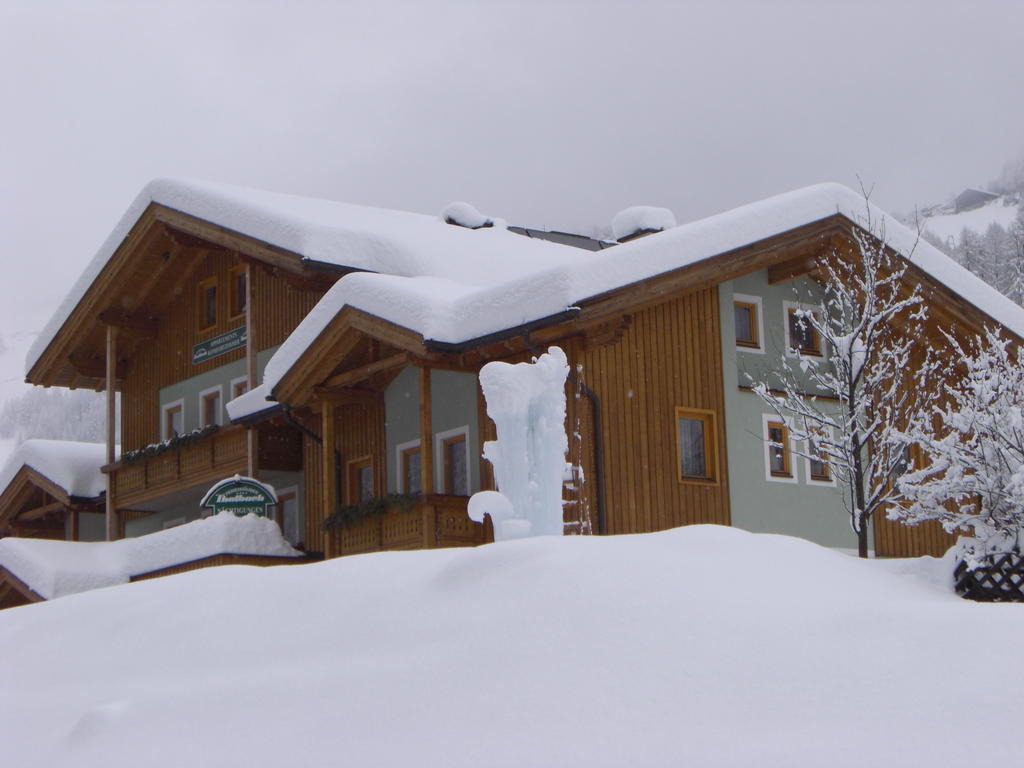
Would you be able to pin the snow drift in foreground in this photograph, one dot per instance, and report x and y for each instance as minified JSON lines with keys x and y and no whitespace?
{"x":58,"y":568}
{"x":703,"y":646}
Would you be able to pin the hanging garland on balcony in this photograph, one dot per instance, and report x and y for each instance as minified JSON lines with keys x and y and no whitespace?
{"x":350,"y":514}
{"x":175,"y":443}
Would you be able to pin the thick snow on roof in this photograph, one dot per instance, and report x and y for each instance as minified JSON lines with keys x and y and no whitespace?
{"x":455,"y":310}
{"x":641,"y":218}
{"x":703,"y":646}
{"x":361,"y":237}
{"x":58,"y":568}
{"x":75,"y":467}
{"x":249,"y":403}
{"x":453,"y":284}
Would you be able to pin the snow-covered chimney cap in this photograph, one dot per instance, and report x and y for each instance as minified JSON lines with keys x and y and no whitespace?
{"x":465,"y":215}
{"x":641,"y":220}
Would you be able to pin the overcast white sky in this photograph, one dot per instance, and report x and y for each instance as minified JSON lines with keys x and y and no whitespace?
{"x":552,"y":114}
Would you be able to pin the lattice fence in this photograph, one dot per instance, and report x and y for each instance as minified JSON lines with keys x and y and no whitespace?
{"x":1000,"y":579}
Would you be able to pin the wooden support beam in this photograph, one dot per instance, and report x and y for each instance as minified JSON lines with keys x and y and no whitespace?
{"x":39,"y":512}
{"x":143,"y":327}
{"x":426,"y":434}
{"x":251,"y":435}
{"x":94,"y":367}
{"x":350,"y":396}
{"x":187,"y":240}
{"x":327,"y":473}
{"x":793,"y":268}
{"x":363,"y":372}
{"x":113,"y":527}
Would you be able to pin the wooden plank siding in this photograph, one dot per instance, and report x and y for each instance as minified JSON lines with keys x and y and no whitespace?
{"x":359,"y":433}
{"x":278,"y":308}
{"x":218,"y":560}
{"x":894,"y":539}
{"x":668,"y":357}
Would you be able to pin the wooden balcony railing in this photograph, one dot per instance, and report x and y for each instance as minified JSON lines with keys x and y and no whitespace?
{"x":220,"y":455}
{"x":437,"y":521}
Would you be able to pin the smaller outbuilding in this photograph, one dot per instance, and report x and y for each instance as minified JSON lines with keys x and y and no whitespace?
{"x":970,"y":199}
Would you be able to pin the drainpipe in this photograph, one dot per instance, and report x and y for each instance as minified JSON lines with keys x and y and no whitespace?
{"x":595,"y":409}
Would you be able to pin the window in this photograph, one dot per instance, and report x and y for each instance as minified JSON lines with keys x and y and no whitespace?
{"x":287,"y":514}
{"x":910,"y":460}
{"x":452,"y":450}
{"x":800,"y":336}
{"x":818,"y":470}
{"x":778,"y":451}
{"x":172,"y":419}
{"x":207,"y":303}
{"x":696,"y":443}
{"x":360,"y":481}
{"x":747,"y":320}
{"x":410,"y":467}
{"x":239,"y":288}
{"x":239,"y":386}
{"x":210,"y":407}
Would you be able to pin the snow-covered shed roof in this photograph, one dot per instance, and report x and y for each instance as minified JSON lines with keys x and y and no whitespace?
{"x":457,"y":309}
{"x":57,"y":568}
{"x":73,"y":467}
{"x":327,"y":232}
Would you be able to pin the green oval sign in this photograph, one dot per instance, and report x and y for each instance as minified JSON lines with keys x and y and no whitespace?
{"x":241,"y":496}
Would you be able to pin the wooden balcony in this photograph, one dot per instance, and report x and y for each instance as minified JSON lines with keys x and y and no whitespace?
{"x":220,"y":455}
{"x":438,"y":521}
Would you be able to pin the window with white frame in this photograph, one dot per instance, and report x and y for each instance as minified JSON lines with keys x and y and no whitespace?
{"x":409,"y":467}
{"x":239,"y":386}
{"x":211,"y":409}
{"x":819,"y":471}
{"x":778,"y":450}
{"x":172,"y":419}
{"x":800,"y":334}
{"x":451,"y":450}
{"x":287,"y":514}
{"x":748,"y":322}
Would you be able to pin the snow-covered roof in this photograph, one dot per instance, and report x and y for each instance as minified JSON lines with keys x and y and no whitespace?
{"x":74,"y":467}
{"x":249,"y":403}
{"x":57,"y":568}
{"x":456,"y":310}
{"x":453,"y":284}
{"x":360,"y":237}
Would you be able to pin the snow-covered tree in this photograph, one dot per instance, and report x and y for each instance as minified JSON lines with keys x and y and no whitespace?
{"x":972,"y":447}
{"x":844,"y":408}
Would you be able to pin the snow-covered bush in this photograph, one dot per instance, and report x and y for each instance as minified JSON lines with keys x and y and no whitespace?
{"x":972,"y":449}
{"x":526,"y":402}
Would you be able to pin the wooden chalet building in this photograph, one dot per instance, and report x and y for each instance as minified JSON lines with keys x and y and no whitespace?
{"x":348,"y":342}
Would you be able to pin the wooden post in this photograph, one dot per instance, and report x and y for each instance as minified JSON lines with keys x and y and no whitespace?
{"x":327,"y":474}
{"x":426,"y":434}
{"x":113,"y":528}
{"x":251,"y":436}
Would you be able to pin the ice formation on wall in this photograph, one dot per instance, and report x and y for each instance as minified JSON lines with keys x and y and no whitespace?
{"x":526,"y":402}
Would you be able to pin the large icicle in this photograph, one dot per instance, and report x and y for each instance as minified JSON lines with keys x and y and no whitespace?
{"x":526,"y":402}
